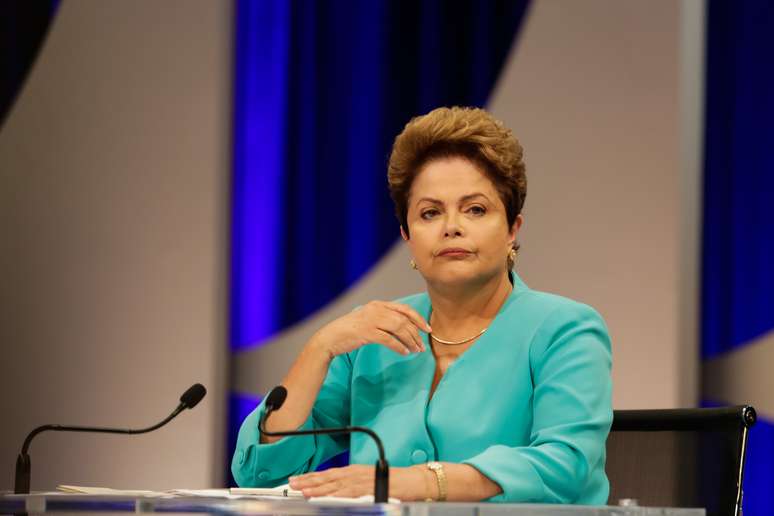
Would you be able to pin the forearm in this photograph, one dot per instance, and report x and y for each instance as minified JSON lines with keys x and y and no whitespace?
{"x":464,"y":483}
{"x":390,"y":324}
{"x":303,"y":383}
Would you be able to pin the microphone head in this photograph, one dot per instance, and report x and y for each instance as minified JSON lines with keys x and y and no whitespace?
{"x":276,"y":398}
{"x":193,"y":395}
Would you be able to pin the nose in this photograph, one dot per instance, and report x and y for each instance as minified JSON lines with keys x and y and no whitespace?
{"x":452,"y":228}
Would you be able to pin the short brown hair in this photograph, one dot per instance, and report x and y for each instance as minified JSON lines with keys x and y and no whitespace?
{"x":469,"y":133}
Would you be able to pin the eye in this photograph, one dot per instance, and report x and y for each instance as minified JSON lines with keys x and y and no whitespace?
{"x":477,"y":210}
{"x":429,"y":214}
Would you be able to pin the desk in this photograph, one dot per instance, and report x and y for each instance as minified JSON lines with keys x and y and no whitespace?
{"x":52,"y":503}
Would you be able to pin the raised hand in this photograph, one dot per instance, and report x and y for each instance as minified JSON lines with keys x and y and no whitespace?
{"x":393,"y":325}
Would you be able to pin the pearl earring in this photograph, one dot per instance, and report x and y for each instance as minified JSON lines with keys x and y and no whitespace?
{"x":512,"y":254}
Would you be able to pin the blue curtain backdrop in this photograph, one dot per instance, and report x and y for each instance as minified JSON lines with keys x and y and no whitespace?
{"x":321,"y":89}
{"x":738,"y":242}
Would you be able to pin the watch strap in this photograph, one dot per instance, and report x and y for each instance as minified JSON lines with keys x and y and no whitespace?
{"x":440,"y":477}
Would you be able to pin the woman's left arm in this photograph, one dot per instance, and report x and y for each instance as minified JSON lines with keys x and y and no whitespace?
{"x":570,"y":361}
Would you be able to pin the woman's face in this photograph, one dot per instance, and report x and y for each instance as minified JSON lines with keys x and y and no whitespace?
{"x":458,"y":225}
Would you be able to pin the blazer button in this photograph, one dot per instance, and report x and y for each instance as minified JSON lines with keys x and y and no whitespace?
{"x":419,"y":456}
{"x":263,"y":475}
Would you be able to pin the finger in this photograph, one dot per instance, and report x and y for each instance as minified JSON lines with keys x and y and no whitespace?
{"x":396,"y":324}
{"x":326,"y":489}
{"x":415,"y":335}
{"x":404,"y":329}
{"x":385,"y":338}
{"x":307,"y":480}
{"x":412,"y":314}
{"x":353,"y":492}
{"x":356,"y":485}
{"x":406,"y":336}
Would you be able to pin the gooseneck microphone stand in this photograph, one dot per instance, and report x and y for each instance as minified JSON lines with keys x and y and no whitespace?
{"x":189,"y":399}
{"x":274,"y":401}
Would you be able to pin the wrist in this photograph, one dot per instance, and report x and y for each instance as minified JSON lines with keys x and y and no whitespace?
{"x":439,"y":475}
{"x":424,"y":485}
{"x":319,"y":348}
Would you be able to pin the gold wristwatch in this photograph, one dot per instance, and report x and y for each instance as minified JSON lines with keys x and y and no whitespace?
{"x":440,"y":477}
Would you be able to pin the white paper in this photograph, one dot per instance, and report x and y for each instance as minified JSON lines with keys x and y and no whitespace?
{"x":106,"y":491}
{"x":275,"y":493}
{"x":283,"y":491}
{"x":171,"y":493}
{"x":207,"y":493}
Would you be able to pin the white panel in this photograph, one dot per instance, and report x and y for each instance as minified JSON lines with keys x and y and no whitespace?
{"x":113,"y":215}
{"x":593,"y":92}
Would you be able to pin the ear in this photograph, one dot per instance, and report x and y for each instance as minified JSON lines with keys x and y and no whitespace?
{"x":514,"y":231}
{"x":403,"y":234}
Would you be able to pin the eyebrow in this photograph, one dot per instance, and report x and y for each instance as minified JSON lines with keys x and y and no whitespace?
{"x":463,"y":199}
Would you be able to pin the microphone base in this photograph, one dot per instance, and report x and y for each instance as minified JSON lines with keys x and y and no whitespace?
{"x":23,"y":474}
{"x":382,"y":482}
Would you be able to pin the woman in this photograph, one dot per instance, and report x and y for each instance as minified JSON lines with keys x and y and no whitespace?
{"x":481,"y":388}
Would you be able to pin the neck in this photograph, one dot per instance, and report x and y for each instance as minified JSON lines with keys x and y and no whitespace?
{"x":460,"y":311}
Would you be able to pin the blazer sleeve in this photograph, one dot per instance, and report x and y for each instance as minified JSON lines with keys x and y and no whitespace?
{"x":268,"y":465}
{"x":570,"y":361}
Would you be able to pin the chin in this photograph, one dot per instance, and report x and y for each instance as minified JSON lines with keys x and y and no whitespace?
{"x":456,"y":275}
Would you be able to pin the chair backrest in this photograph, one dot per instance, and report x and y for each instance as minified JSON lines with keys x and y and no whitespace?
{"x":679,"y":457}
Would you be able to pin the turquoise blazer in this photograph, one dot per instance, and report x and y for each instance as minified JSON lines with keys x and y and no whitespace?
{"x":528,"y":405}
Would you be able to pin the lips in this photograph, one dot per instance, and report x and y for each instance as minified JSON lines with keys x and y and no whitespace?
{"x":454,"y":252}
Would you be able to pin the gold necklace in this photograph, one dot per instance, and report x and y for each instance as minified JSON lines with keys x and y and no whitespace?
{"x":458,"y":342}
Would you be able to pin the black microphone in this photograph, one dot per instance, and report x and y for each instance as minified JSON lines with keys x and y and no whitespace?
{"x":189,"y":399}
{"x":274,"y":401}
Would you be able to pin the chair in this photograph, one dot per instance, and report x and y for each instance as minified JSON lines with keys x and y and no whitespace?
{"x":680,"y":457}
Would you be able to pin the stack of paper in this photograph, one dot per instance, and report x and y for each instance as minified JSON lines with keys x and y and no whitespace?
{"x":106,"y":491}
{"x":283,"y":491}
{"x":255,"y":493}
